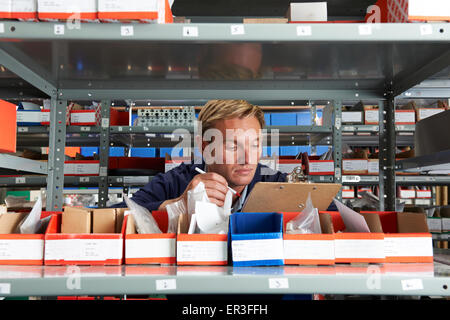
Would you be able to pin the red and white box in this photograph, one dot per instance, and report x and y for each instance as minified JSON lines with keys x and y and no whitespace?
{"x":418,"y":10}
{"x":371,"y":116}
{"x":309,"y":249}
{"x":82,"y":248}
{"x":423,"y":113}
{"x":406,"y":237}
{"x":158,"y":248}
{"x":362,"y":189}
{"x":22,"y":249}
{"x":405,"y":117}
{"x":352,"y":117}
{"x":25,"y":10}
{"x":373,"y":166}
{"x":85,"y":117}
{"x":200,"y":249}
{"x":354,"y":166}
{"x":156,"y":11}
{"x":288,"y":165}
{"x":423,"y":193}
{"x":81,"y":168}
{"x":321,"y":167}
{"x":83,"y":10}
{"x":348,"y":192}
{"x":405,"y":193}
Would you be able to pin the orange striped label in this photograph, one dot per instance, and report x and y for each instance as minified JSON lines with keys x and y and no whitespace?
{"x":22,"y":262}
{"x":319,"y":237}
{"x":410,"y":259}
{"x":201,"y":237}
{"x":202,"y":263}
{"x":308,"y":262}
{"x":167,"y":260}
{"x":81,"y":263}
{"x":149,"y":15}
{"x":68,"y":15}
{"x":360,"y":260}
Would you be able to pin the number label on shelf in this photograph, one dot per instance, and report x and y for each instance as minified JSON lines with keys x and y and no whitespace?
{"x":2,"y":28}
{"x":22,"y":129}
{"x":85,"y":129}
{"x":351,"y":178}
{"x":426,"y":29}
{"x":365,"y":30}
{"x":5,"y":288}
{"x":84,"y":179}
{"x":58,"y":29}
{"x":412,"y":284}
{"x":304,"y":31}
{"x":127,"y":31}
{"x":166,"y":284}
{"x":20,"y":180}
{"x":237,"y":29}
{"x":190,"y":31}
{"x":278,"y":283}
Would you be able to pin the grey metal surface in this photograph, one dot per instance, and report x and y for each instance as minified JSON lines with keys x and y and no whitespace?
{"x":104,"y":153}
{"x":17,"y":163}
{"x":433,"y":89}
{"x":385,"y":279}
{"x":387,"y":154}
{"x":337,"y":143}
{"x":56,"y":155}
{"x":432,"y":134}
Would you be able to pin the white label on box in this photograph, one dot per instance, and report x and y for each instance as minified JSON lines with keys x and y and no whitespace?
{"x":83,"y":249}
{"x":412,"y":284}
{"x":372,"y":116}
{"x":309,"y":249}
{"x":427,"y":112}
{"x":352,"y":116}
{"x":45,"y":116}
{"x":127,"y":31}
{"x":423,"y":193}
{"x":81,"y":168}
{"x":150,"y":248}
{"x":288,"y":167}
{"x":348,"y":194}
{"x":191,"y":251}
{"x":15,"y":249}
{"x":322,"y":166}
{"x":127,"y":6}
{"x":237,"y":29}
{"x":373,"y":167}
{"x":365,"y":29}
{"x":431,"y":8}
{"x":20,"y":180}
{"x":166,"y":284}
{"x":29,"y":116}
{"x":445,"y":224}
{"x":5,"y":288}
{"x":407,"y":194}
{"x":304,"y":31}
{"x":405,"y":117}
{"x":408,"y":246}
{"x":359,"y":248}
{"x":68,"y":6}
{"x":354,"y":165}
{"x":308,"y":11}
{"x":278,"y":283}
{"x":260,"y":249}
{"x":83,"y":117}
{"x":434,"y":224}
{"x":190,"y":31}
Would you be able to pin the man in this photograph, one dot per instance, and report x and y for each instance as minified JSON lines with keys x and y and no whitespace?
{"x":231,"y":146}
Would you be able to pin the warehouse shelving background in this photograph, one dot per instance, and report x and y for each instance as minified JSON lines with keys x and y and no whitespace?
{"x":392,"y":64}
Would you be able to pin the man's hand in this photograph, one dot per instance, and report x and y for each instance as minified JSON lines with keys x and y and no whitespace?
{"x":216,"y":187}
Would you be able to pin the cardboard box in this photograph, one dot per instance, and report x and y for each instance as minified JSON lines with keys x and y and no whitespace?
{"x":373,"y":166}
{"x":307,"y":11}
{"x":405,"y":193}
{"x":32,"y":117}
{"x":423,"y":194}
{"x":129,"y":10}
{"x":157,"y":248}
{"x":405,"y":117}
{"x":354,"y":166}
{"x":200,"y":249}
{"x":371,"y":116}
{"x":84,"y":10}
{"x":104,"y":221}
{"x":75,"y":220}
{"x":423,"y":113}
{"x":256,"y":239}
{"x":314,"y":166}
{"x":16,"y":248}
{"x":348,"y":192}
{"x":84,"y":118}
{"x":309,"y":249}
{"x":18,"y":9}
{"x":406,"y":236}
{"x":8,"y":127}
{"x":81,"y":248}
{"x":434,"y":224}
{"x":81,"y":168}
{"x":352,"y":117}
{"x":283,"y":119}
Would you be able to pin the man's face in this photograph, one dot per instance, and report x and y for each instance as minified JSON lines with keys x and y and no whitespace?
{"x":235,"y":148}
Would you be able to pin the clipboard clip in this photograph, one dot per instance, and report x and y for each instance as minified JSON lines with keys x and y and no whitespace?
{"x":297,"y":175}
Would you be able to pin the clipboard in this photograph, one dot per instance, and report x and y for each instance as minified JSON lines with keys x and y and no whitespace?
{"x":289,"y":197}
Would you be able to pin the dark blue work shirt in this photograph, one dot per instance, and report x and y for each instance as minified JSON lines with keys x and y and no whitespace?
{"x":172,"y":184}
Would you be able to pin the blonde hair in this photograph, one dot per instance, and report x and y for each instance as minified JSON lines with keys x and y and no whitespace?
{"x":215,"y":110}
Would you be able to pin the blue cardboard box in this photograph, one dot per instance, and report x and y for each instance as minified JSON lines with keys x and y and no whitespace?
{"x":143,"y":152}
{"x":283,"y":119}
{"x":267,"y":118}
{"x":304,"y":118}
{"x":268,"y":151}
{"x":289,"y":150}
{"x":256,"y":239}
{"x":178,"y":152}
{"x":116,"y":151}
{"x":89,"y":151}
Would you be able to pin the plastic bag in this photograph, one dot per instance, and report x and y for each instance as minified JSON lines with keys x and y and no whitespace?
{"x":144,"y":221}
{"x":174,"y":210}
{"x":32,"y":223}
{"x":306,"y":222}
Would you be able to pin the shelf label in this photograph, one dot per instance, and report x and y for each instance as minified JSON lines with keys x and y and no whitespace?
{"x":237,"y":29}
{"x":105,"y":122}
{"x":20,"y":180}
{"x":58,"y":29}
{"x":127,"y":31}
{"x":426,"y":29}
{"x":412,"y":284}
{"x":22,"y":129}
{"x":190,"y":31}
{"x":304,"y":31}
{"x":365,"y":29}
{"x":84,"y":179}
{"x":351,"y":178}
{"x":166,"y":284}
{"x":2,"y":28}
{"x":279,"y":283}
{"x":84,"y":129}
{"x":5,"y":288}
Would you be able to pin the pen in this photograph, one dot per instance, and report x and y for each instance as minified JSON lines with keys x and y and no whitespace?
{"x":232,"y":190}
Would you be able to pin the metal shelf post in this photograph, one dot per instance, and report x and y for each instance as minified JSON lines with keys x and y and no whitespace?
{"x":104,"y":154}
{"x":337,"y":144}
